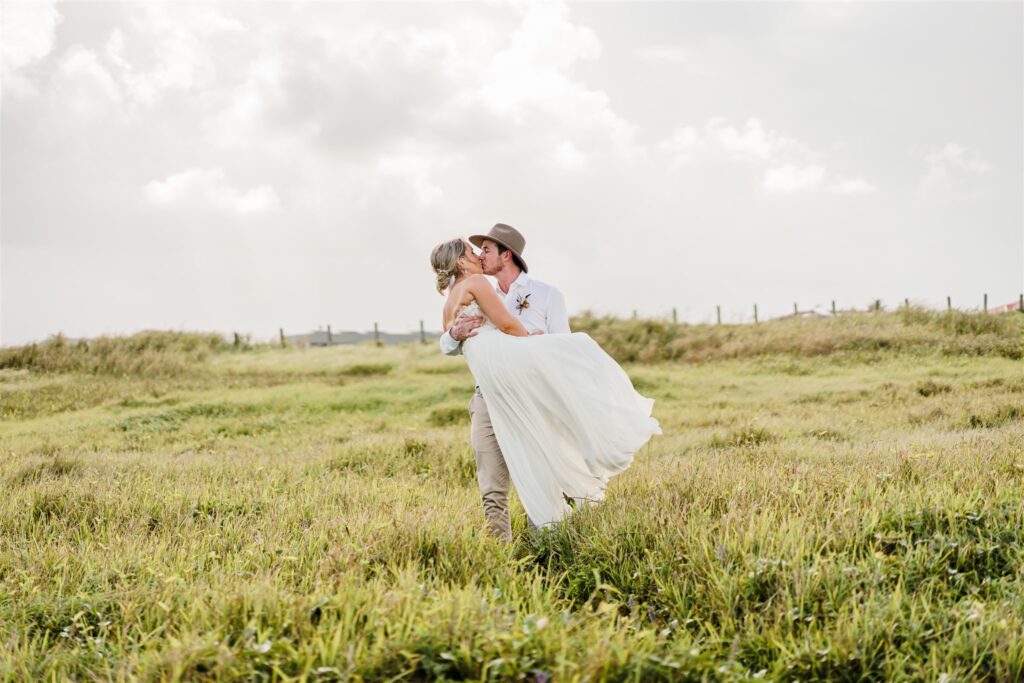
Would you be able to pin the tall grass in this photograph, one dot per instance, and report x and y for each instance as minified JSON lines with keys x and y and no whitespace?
{"x":907,"y":331}
{"x":314,"y":515}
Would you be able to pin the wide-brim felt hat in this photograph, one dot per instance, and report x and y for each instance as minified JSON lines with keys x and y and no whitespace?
{"x":506,"y":236}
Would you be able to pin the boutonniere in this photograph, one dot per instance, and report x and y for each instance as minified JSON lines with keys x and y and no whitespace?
{"x":522,"y":302}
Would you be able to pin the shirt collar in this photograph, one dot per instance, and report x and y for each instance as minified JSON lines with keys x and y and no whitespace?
{"x":521,"y":282}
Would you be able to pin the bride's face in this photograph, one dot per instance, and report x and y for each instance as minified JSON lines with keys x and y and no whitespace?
{"x":470,"y":262}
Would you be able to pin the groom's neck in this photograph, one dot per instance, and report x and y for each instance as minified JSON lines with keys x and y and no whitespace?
{"x":506,"y":276}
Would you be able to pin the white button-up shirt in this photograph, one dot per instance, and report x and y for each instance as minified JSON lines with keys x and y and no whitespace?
{"x":546,"y":309}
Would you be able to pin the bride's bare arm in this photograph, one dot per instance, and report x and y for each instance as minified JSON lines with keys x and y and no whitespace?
{"x":492,"y":307}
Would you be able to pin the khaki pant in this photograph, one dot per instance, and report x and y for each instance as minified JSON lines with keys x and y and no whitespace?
{"x":491,"y":470}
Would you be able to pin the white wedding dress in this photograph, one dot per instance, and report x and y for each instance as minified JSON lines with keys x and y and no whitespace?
{"x":565,"y":415}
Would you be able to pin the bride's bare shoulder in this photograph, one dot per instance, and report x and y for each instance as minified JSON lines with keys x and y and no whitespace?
{"x":474,"y":282}
{"x":458,"y":296}
{"x":465,"y":290}
{"x":460,"y":291}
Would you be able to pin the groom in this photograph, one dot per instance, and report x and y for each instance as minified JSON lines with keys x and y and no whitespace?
{"x":541,"y":309}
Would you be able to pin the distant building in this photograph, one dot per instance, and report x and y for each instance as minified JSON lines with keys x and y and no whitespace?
{"x":1006,"y":308}
{"x":813,"y":313}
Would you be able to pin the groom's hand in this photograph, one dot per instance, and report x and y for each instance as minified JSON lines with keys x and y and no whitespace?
{"x":465,"y":327}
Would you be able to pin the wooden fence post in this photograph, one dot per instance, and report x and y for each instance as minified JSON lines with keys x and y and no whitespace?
{"x":985,"y":304}
{"x":1020,"y":304}
{"x":330,"y":338}
{"x":833,"y":306}
{"x":878,"y":305}
{"x":280,"y":332}
{"x":675,"y":317}
{"x":423,"y":334}
{"x":949,"y":304}
{"x":755,"y":314}
{"x":906,"y":304}
{"x":238,"y":341}
{"x":718,"y":313}
{"x":796,"y":311}
{"x":376,"y":335}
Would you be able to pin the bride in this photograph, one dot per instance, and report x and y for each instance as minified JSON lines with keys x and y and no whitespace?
{"x":565,"y":415}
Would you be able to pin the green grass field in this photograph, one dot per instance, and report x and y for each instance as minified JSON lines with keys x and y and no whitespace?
{"x":835,"y":499}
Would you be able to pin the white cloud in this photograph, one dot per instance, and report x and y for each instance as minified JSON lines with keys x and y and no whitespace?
{"x":530,"y":85}
{"x":29,"y":29}
{"x":178,"y":38}
{"x":241,"y":117}
{"x":140,"y":87}
{"x":751,"y":143}
{"x":820,"y":15}
{"x":547,"y":39}
{"x":789,"y":165}
{"x":338,"y":89}
{"x":754,"y":142}
{"x":417,"y":169}
{"x":360,"y":120}
{"x":460,"y":86}
{"x":81,"y":64}
{"x":568,"y":157}
{"x":201,"y":186}
{"x":676,"y":59}
{"x":673,"y":54}
{"x":684,"y":145}
{"x":852,"y":186}
{"x":83,"y":85}
{"x":953,"y":155}
{"x":954,"y":174}
{"x":790,"y":178}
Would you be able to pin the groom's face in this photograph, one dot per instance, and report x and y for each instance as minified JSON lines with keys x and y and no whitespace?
{"x":490,"y":259}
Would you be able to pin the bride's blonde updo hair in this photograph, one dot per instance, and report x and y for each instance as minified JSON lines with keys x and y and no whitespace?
{"x":445,"y":261}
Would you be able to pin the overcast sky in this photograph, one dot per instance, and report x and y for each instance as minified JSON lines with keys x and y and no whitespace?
{"x":252,"y":166}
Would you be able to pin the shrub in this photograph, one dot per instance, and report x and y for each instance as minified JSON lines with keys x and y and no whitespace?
{"x":748,"y":436}
{"x":912,"y":330}
{"x":448,"y":415}
{"x":144,"y":353}
{"x":996,"y":418}
{"x":56,"y":467}
{"x":367,"y":369}
{"x":930,"y":388}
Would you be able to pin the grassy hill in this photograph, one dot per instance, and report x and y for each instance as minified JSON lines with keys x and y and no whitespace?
{"x":832,"y":498}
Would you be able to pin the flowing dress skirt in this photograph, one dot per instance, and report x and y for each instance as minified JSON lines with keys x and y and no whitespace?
{"x":565,"y":415}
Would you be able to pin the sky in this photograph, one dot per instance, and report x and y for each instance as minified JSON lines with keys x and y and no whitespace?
{"x":254,"y":166}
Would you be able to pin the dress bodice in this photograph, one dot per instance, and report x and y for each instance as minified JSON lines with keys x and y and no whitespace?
{"x":473,"y":308}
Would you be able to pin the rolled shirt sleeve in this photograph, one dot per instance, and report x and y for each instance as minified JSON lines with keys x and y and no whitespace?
{"x":449,"y":346}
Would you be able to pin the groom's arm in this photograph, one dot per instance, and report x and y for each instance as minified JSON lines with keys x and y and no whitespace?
{"x":557,"y":317}
{"x":464,"y":328}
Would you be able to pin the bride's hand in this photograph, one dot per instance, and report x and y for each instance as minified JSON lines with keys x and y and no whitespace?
{"x":465,"y":327}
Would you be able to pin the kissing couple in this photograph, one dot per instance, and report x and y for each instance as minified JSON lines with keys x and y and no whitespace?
{"x":551,"y":410}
